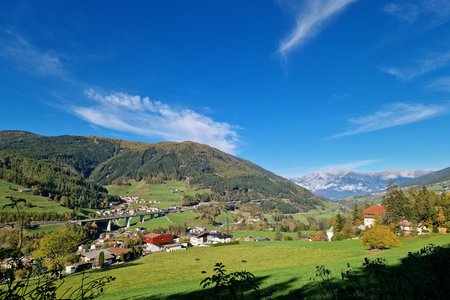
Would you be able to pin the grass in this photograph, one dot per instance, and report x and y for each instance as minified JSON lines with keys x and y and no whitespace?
{"x":291,"y":263}
{"x":189,"y":217}
{"x":47,"y":228}
{"x":265,"y":233}
{"x":169,"y":193}
{"x":40,"y":204}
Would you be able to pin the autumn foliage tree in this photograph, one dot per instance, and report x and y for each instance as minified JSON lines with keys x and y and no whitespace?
{"x":380,"y":237}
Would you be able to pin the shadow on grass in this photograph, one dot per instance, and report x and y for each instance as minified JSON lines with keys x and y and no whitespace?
{"x":420,"y":275}
{"x":210,"y":293}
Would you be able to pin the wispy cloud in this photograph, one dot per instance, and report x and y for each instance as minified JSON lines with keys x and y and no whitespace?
{"x":441,"y":84}
{"x":140,"y":115}
{"x":28,"y":58}
{"x":310,"y":18}
{"x":350,"y":165}
{"x":393,"y":115}
{"x":420,"y":66}
{"x":410,"y":11}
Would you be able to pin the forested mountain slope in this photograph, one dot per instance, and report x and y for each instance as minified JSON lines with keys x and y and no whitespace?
{"x":106,"y":161}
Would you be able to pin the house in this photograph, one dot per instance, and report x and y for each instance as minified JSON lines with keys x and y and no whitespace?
{"x":155,"y":241}
{"x":405,"y":227}
{"x":157,"y":238}
{"x":199,"y":239}
{"x":197,"y":230}
{"x":92,"y":257}
{"x":118,"y":252}
{"x":372,"y":213}
{"x":218,"y":237}
{"x":173,"y":247}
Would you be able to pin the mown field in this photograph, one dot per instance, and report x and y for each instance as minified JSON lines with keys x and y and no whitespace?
{"x":168,"y":193}
{"x":279,"y":266}
{"x":39,"y":204}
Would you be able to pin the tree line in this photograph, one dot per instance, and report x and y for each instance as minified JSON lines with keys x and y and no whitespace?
{"x":56,"y":183}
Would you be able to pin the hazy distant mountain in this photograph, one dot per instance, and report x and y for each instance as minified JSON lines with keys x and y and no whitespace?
{"x":344,"y":183}
{"x":429,"y":179}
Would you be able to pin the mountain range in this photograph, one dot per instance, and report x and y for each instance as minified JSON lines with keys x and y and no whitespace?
{"x":344,"y":183}
{"x":106,"y":161}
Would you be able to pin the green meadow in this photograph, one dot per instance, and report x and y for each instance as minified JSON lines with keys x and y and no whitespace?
{"x":280,"y":266}
{"x":189,"y":218}
{"x":39,"y":204}
{"x":169,"y":193}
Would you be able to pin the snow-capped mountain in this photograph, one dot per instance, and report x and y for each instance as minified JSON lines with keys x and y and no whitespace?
{"x":344,"y":183}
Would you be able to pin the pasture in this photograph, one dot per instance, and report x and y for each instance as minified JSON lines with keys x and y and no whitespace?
{"x":169,"y":193}
{"x":39,"y":204}
{"x":280,"y":267}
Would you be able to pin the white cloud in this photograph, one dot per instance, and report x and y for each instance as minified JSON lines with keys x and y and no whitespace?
{"x":28,"y":58}
{"x":140,"y":115}
{"x":310,"y":19}
{"x":442,"y":84}
{"x":393,"y":115}
{"x":410,"y":11}
{"x":420,"y":66}
{"x":348,"y":166}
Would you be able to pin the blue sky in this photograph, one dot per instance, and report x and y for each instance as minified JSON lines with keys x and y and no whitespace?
{"x":295,"y":86}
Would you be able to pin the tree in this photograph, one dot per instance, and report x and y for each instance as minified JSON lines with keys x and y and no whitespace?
{"x":56,"y":249}
{"x":16,"y":203}
{"x":101,"y":259}
{"x":209,"y":212}
{"x":357,"y":215}
{"x":396,"y":203}
{"x":380,"y":237}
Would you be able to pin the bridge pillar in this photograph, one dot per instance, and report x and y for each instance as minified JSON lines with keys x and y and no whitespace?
{"x":108,"y":228}
{"x":128,"y":221}
{"x":142,"y":218}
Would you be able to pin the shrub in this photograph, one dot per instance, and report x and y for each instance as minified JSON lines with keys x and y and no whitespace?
{"x":380,"y":237}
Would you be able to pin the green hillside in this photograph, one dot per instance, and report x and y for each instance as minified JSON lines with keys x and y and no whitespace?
{"x":107,"y":161}
{"x":430,"y":179}
{"x":50,"y":181}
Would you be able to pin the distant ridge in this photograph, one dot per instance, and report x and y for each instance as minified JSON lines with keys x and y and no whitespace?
{"x":432,"y":178}
{"x":346,"y":183}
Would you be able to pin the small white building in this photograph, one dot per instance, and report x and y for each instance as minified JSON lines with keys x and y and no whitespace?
{"x":199,"y":239}
{"x":218,"y":237}
{"x":174,"y":247}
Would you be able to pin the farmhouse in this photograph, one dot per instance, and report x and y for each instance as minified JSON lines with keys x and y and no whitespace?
{"x":92,"y":257}
{"x":157,"y":238}
{"x":199,"y":239}
{"x":174,"y":247}
{"x":117,"y":252}
{"x":405,"y":227}
{"x":218,"y":237}
{"x":155,"y":241}
{"x":371,"y":213}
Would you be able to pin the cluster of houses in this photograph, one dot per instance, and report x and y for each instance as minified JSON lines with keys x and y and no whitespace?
{"x":114,"y":250}
{"x":374,"y":213}
{"x":123,"y":209}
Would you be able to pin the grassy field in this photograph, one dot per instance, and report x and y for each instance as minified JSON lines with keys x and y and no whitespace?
{"x":169,"y":193}
{"x":190,"y":218}
{"x":40,"y":204}
{"x":281,"y":266}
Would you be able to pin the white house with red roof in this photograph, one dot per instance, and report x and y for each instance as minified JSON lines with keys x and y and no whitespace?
{"x":372,"y":213}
